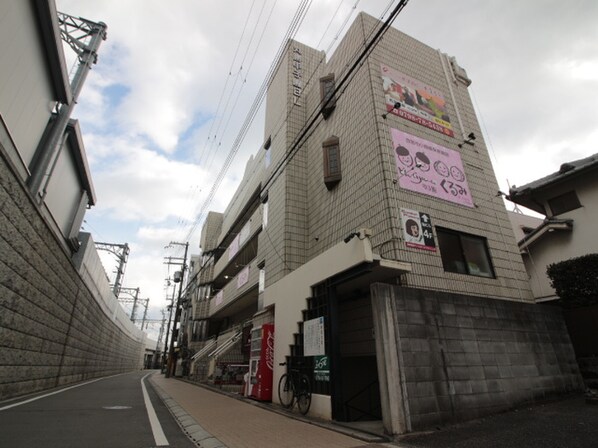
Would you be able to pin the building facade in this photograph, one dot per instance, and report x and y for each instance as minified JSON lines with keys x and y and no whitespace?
{"x":368,"y":230}
{"x":568,"y":199}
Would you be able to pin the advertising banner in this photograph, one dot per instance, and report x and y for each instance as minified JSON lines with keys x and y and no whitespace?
{"x":243,"y":277}
{"x":431,"y":169}
{"x":218,"y":298}
{"x":233,"y":248}
{"x":417,"y":230}
{"x":419,"y":102}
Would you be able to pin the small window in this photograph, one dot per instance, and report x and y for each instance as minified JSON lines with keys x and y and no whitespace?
{"x":564,"y":203}
{"x":267,"y":143}
{"x":265,"y":214}
{"x":332,"y":162}
{"x":464,"y":254}
{"x":327,"y":97}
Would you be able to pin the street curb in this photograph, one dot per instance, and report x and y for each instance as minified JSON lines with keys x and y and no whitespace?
{"x":190,"y":426}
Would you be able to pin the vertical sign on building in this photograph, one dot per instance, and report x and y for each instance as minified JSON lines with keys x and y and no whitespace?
{"x":313,"y":337}
{"x":297,"y":72}
{"x":417,"y":230}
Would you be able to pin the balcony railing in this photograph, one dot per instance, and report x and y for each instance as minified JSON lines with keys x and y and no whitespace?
{"x":236,"y":249}
{"x":237,"y":288}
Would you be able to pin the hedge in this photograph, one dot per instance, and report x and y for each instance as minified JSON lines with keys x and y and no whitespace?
{"x":575,"y":280}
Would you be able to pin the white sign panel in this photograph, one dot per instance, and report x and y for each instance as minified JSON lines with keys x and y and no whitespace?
{"x":313,"y":337}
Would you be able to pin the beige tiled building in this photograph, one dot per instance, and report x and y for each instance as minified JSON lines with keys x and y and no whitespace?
{"x":369,"y":231}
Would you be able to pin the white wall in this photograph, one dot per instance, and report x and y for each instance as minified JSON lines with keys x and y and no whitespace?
{"x":26,"y":93}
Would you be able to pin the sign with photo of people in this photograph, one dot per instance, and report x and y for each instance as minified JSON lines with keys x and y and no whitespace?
{"x":428,"y":168}
{"x":419,"y":102}
{"x":417,"y":229}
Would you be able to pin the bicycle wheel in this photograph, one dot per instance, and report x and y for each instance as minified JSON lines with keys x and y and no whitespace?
{"x":285,"y":391}
{"x":304,"y":395}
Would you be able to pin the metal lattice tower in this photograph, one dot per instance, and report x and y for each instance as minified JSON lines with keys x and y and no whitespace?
{"x":121,"y":251}
{"x":84,"y":37}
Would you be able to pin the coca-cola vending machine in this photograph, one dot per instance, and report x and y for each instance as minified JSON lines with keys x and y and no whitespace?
{"x":261,"y":362}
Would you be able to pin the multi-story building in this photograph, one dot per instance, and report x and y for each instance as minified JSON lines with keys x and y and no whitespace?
{"x":369,"y":231}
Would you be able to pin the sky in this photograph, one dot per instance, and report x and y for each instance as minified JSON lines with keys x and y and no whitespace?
{"x":175,"y":81}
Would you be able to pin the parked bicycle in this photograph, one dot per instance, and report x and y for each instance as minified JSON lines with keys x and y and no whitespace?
{"x":294,"y":387}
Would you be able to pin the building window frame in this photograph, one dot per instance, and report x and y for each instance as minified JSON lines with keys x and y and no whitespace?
{"x":327,"y":96}
{"x":332,"y":162}
{"x":464,"y":253}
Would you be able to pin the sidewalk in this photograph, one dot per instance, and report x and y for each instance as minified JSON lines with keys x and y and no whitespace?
{"x":218,"y":420}
{"x":233,"y":423}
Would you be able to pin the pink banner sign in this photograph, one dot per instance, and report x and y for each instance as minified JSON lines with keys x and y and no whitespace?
{"x":415,"y":101}
{"x":218,"y":298}
{"x":233,"y":248}
{"x":243,"y":277}
{"x":431,"y":169}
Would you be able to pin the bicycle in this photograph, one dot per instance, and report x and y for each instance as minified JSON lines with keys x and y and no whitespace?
{"x":294,"y":387}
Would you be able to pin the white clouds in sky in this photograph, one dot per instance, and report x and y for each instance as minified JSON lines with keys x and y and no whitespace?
{"x":147,"y":106}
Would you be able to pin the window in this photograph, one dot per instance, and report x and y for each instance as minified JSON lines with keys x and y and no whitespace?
{"x":327,"y":98}
{"x":267,"y":154}
{"x":464,"y":254}
{"x":265,"y":212}
{"x":564,"y":203}
{"x":332,"y":162}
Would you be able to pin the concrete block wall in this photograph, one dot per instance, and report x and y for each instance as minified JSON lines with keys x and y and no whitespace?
{"x":52,"y":329}
{"x":464,"y":357}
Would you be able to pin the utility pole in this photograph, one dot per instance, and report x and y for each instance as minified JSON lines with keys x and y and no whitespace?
{"x":144,"y":313}
{"x":134,"y":293}
{"x":121,"y":251}
{"x":170,"y":307}
{"x":171,"y":363}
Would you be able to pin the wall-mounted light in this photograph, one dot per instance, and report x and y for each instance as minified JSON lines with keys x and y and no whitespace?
{"x":469,"y":140}
{"x":396,"y":107}
{"x":351,"y":236}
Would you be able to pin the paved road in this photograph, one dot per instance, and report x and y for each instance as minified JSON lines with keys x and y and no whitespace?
{"x":109,"y":412}
{"x":566,"y":423}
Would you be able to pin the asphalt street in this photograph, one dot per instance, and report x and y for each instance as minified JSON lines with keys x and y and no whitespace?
{"x":110,"y":412}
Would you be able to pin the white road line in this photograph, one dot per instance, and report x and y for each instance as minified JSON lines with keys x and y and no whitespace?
{"x":159,"y":436}
{"x":14,"y":405}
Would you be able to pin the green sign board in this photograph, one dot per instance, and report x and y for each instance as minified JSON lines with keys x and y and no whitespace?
{"x":321,"y":368}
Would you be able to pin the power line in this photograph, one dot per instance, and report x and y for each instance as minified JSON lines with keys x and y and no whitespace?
{"x":292,"y":30}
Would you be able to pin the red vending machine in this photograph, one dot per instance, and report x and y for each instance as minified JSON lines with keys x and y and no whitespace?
{"x":261,"y":362}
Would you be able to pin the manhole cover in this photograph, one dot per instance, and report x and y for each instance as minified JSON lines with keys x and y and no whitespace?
{"x":116,"y":408}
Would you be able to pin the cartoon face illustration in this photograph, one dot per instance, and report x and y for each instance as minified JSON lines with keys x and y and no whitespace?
{"x":422,"y":161}
{"x":441,"y":168}
{"x":404,"y":156}
{"x":412,"y":228}
{"x":457,"y":174}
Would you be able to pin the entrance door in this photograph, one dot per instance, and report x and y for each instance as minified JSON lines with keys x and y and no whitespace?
{"x":360,"y":390}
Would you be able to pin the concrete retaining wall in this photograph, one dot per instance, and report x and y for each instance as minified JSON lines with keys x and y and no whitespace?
{"x":53,"y":330}
{"x":464,"y":357}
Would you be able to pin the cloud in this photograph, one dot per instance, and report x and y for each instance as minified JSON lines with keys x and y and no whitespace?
{"x":157,"y":131}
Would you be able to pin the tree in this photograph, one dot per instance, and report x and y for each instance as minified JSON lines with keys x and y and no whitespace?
{"x":575,"y":280}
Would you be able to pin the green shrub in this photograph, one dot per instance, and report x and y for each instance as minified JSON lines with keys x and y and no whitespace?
{"x":575,"y":280}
